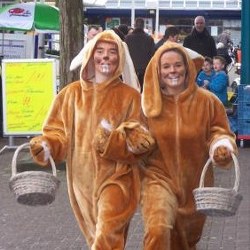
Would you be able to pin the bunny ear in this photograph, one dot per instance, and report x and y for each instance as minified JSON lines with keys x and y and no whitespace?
{"x":128,"y":74}
{"x":151,"y":95}
{"x":77,"y":61}
{"x":197,"y":58}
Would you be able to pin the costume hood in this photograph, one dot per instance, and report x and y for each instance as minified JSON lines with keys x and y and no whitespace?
{"x":197,"y":58}
{"x":125,"y":67}
{"x":152,"y":95}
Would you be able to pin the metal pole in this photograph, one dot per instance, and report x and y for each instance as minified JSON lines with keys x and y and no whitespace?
{"x":157,"y":22}
{"x":133,"y":13}
{"x":41,"y":41}
{"x":245,"y":42}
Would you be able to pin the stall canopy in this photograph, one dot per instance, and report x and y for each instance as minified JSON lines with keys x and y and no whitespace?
{"x":42,"y":18}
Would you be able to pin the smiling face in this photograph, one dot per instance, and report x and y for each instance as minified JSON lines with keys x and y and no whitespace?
{"x":172,"y":73}
{"x":106,"y":60}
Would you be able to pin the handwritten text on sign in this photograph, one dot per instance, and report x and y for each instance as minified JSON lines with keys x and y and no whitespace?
{"x":29,"y":90}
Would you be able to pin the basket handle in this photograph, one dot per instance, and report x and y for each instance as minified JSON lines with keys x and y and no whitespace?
{"x":14,"y":160}
{"x":237,"y":173}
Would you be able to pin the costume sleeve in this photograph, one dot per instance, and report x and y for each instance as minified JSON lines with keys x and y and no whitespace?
{"x":54,"y":133}
{"x":116,"y":147}
{"x":219,"y":126}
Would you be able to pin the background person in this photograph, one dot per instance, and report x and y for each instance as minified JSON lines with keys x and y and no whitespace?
{"x":222,"y":51}
{"x":171,"y":34}
{"x":123,"y":28}
{"x":205,"y":75}
{"x":219,"y":82}
{"x":189,"y":125}
{"x":141,"y":48}
{"x":225,"y":38}
{"x":93,"y":30}
{"x":200,"y":40}
{"x":94,"y":124}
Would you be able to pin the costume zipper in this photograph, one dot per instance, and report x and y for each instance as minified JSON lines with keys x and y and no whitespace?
{"x":177,"y":135}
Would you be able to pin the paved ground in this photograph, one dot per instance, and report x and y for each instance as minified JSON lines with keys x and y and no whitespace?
{"x":53,"y":227}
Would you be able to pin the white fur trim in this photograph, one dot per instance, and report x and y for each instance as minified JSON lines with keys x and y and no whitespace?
{"x":105,"y":124}
{"x":192,"y":54}
{"x":222,"y":142}
{"x":46,"y":151}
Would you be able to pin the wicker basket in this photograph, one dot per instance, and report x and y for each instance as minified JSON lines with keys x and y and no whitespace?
{"x":33,"y":188}
{"x":218,"y":201}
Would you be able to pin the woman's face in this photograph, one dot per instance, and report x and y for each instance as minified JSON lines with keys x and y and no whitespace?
{"x":106,"y":58}
{"x":172,"y":72}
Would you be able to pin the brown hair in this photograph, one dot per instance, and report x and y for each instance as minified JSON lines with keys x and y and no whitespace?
{"x":222,"y":59}
{"x":208,"y":59}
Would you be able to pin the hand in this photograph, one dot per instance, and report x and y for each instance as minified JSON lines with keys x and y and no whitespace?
{"x":205,"y":85}
{"x":40,"y":151}
{"x":222,"y":156}
{"x":139,"y":140}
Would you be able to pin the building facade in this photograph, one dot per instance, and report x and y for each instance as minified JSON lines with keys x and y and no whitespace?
{"x":219,"y":14}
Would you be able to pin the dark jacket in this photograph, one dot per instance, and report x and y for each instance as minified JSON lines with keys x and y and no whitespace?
{"x":141,"y":47}
{"x":160,"y":43}
{"x":224,"y":53}
{"x":203,"y":43}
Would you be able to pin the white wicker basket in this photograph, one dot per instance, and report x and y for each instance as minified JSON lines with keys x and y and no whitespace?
{"x":33,"y":188}
{"x":218,"y":201}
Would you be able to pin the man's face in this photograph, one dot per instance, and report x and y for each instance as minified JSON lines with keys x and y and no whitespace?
{"x":106,"y":58}
{"x":199,"y":24}
{"x":91,"y":33}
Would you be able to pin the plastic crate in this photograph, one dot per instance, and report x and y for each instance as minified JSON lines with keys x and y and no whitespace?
{"x":243,"y":110}
{"x":244,"y":93}
{"x":243,"y":126}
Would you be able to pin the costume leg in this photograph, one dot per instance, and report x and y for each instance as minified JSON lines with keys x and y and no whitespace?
{"x":159,"y":206}
{"x":187,"y":231}
{"x":116,"y":207}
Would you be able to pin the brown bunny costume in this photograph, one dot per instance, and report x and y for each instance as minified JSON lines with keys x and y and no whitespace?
{"x":102,"y":171}
{"x":185,"y":127}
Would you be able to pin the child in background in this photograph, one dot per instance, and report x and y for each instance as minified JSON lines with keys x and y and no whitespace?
{"x":219,"y":82}
{"x":205,"y":75}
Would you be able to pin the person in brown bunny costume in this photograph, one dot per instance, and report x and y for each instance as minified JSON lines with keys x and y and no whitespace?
{"x":95,"y":124}
{"x":189,"y":125}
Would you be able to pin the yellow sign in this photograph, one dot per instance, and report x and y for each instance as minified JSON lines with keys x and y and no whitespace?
{"x":29,"y":87}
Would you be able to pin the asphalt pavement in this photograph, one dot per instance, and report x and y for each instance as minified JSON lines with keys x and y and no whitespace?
{"x":53,"y":227}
